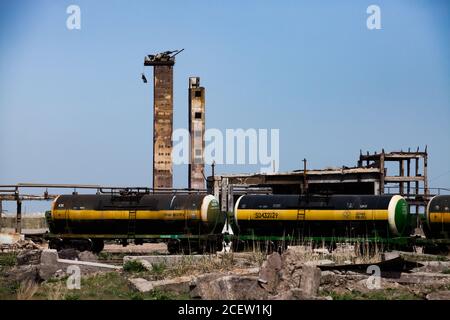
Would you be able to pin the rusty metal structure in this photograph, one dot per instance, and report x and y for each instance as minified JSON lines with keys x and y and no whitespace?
{"x":400,"y":182}
{"x":196,"y":179}
{"x":374,"y":175}
{"x":162,"y":64}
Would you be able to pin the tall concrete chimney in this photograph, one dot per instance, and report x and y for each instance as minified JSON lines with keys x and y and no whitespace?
{"x":162,"y":116}
{"x":196,"y":133}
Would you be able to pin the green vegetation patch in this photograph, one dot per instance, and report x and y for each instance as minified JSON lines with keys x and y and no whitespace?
{"x":7,"y":259}
{"x":133,"y":266}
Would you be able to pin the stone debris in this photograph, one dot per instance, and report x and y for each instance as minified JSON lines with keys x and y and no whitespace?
{"x":147,"y":265}
{"x":49,"y":264}
{"x":321,"y":251}
{"x":10,"y":239}
{"x":439,"y":295}
{"x":293,"y":275}
{"x":28,"y":257}
{"x":12,"y":243}
{"x":71,"y":254}
{"x":323,"y":262}
{"x":179,"y":285}
{"x":310,"y":281}
{"x":269,"y":275}
{"x":23,"y":273}
{"x":232,"y":287}
{"x":165,"y":259}
{"x":87,"y":256}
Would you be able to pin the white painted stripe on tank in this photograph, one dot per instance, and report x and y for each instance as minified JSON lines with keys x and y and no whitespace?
{"x":171,"y":201}
{"x":236,"y":210}
{"x":205,"y":204}
{"x":427,"y":212}
{"x":391,"y":213}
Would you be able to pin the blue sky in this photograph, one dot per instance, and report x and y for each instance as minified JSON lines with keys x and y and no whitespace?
{"x":74,"y":110}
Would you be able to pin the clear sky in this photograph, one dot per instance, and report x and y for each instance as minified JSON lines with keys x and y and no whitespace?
{"x":73,"y":108}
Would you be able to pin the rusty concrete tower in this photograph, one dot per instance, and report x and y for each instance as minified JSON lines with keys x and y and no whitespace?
{"x":162,"y":116}
{"x":196,"y":133}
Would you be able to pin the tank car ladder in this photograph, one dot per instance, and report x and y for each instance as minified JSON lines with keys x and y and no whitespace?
{"x":132,"y":224}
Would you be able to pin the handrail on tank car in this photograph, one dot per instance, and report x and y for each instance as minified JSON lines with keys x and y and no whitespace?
{"x":145,"y":190}
{"x":431,"y":191}
{"x":12,"y":192}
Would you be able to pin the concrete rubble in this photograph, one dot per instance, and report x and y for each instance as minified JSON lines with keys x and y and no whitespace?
{"x":289,"y":276}
{"x":177,"y":285}
{"x":165,"y":259}
{"x":41,"y":265}
{"x":292,"y":275}
{"x":439,"y":295}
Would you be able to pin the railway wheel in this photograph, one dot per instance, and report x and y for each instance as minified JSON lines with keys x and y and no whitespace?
{"x":238,"y":245}
{"x":97,"y":245}
{"x":174,"y":246}
{"x":56,"y":244}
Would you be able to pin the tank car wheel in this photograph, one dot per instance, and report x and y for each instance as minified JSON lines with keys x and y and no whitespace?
{"x":174,"y":246}
{"x":97,"y":245}
{"x":237,"y":245}
{"x":55,"y":244}
{"x":219,"y":245}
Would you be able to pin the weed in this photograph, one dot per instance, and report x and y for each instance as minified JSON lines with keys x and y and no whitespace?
{"x":8,"y":259}
{"x":72,"y":296}
{"x":159,"y":268}
{"x":27,"y":290}
{"x":134,"y":266}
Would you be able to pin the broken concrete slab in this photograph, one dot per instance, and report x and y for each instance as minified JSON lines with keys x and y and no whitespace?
{"x":49,"y":256}
{"x":269,"y":275}
{"x":310,"y":281}
{"x":165,"y":259}
{"x":439,"y":295}
{"x":69,"y":253}
{"x":97,"y":265}
{"x":433,"y":266}
{"x":28,"y":257}
{"x":323,"y":262}
{"x":291,"y":294}
{"x":200,"y":286}
{"x":23,"y":273}
{"x":49,"y":264}
{"x":179,"y":285}
{"x":420,"y":278}
{"x":87,"y":256}
{"x":233,"y":287}
{"x":391,"y":263}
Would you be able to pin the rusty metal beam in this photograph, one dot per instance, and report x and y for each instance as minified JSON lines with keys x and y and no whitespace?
{"x":19,"y":217}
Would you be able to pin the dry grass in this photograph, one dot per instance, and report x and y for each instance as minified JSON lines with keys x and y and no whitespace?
{"x":57,"y":291}
{"x":343,"y":253}
{"x":27,"y":290}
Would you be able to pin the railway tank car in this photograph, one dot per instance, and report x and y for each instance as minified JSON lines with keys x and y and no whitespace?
{"x":298,"y":217}
{"x":438,"y":218}
{"x":181,"y":220}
